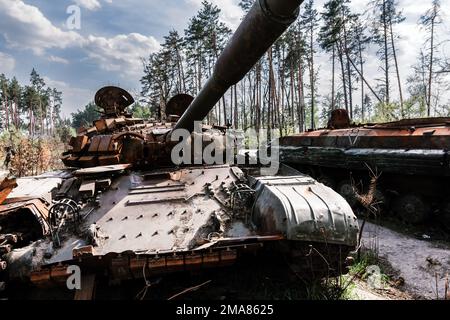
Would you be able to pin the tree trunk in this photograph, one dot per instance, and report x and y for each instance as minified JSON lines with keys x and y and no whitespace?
{"x":5,"y":93}
{"x":292,"y":94}
{"x":41,"y":116}
{"x":301,"y":94}
{"x":430,"y":75}
{"x":344,"y":84}
{"x":16,"y":111}
{"x":397,"y":69}
{"x":259,"y":97}
{"x":199,"y":75}
{"x":333,"y":71}
{"x":312,"y":78}
{"x":269,"y":119}
{"x":361,"y":64}
{"x":244,"y":111}
{"x":30,"y":126}
{"x":180,"y":71}
{"x":283,"y":87}
{"x":236,"y":113}
{"x":301,"y":100}
{"x":349,"y":74}
{"x":386,"y":53}
{"x":365,"y":81}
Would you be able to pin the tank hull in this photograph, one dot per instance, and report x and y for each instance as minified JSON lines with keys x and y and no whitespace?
{"x":137,"y":224}
{"x":411,"y":155}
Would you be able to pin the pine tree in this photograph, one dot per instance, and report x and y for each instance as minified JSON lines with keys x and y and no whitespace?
{"x":38,"y":101}
{"x":173,"y":45}
{"x":15,"y":91}
{"x":309,"y":19}
{"x":4,"y":102}
{"x":386,"y":16}
{"x":329,"y":36}
{"x":430,"y":20}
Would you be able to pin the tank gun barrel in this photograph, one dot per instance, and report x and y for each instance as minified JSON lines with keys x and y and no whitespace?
{"x":264,"y":24}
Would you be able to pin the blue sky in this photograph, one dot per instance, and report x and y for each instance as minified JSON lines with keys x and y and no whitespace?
{"x":107,"y":49}
{"x":115,"y":35}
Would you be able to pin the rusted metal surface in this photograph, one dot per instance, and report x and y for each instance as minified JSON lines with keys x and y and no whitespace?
{"x":34,"y":187}
{"x":377,"y":137}
{"x":412,"y":155}
{"x":116,"y":218}
{"x":339,"y":119}
{"x":113,"y":100}
{"x":7,"y":184}
{"x":413,"y":146}
{"x":102,"y":169}
{"x":178,"y":219}
{"x":178,"y":104}
{"x":36,"y":207}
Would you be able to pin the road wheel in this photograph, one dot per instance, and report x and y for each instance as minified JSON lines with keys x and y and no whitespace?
{"x":346,"y":190}
{"x":411,"y":208}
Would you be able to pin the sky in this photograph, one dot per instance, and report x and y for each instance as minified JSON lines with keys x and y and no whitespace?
{"x":112,"y":37}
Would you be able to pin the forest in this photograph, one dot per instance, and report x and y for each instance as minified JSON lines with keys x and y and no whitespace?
{"x":31,"y":124}
{"x":281,"y":91}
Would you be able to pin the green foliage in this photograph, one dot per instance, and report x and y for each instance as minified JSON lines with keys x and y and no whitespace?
{"x":65,"y":131}
{"x":35,"y":107}
{"x":385,"y":112}
{"x":183,"y":63}
{"x":367,"y":258}
{"x":140,"y":111}
{"x":331,"y":29}
{"x":339,"y":288}
{"x":85,"y":118}
{"x":246,"y":4}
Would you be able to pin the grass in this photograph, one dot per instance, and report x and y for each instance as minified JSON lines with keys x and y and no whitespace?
{"x":364,"y":266}
{"x":333,"y":289}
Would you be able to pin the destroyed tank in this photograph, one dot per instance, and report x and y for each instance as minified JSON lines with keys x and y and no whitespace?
{"x":410,"y":156}
{"x":123,"y":210}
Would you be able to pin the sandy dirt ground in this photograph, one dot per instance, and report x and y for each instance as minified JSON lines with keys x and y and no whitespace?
{"x":421,"y":263}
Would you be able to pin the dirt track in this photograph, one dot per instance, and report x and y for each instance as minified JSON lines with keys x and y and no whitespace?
{"x":417,"y":261}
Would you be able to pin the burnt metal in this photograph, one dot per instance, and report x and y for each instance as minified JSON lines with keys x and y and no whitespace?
{"x":178,"y":104}
{"x":113,"y":100}
{"x":412,"y":155}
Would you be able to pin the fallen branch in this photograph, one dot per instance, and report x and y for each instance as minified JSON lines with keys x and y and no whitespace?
{"x":368,"y":201}
{"x":189,"y":290}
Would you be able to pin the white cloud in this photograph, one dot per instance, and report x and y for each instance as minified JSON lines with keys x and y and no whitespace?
{"x":121,"y":53}
{"x":27,"y":28}
{"x":89,"y":4}
{"x":58,"y":60}
{"x":7,"y":63}
{"x":31,"y":29}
